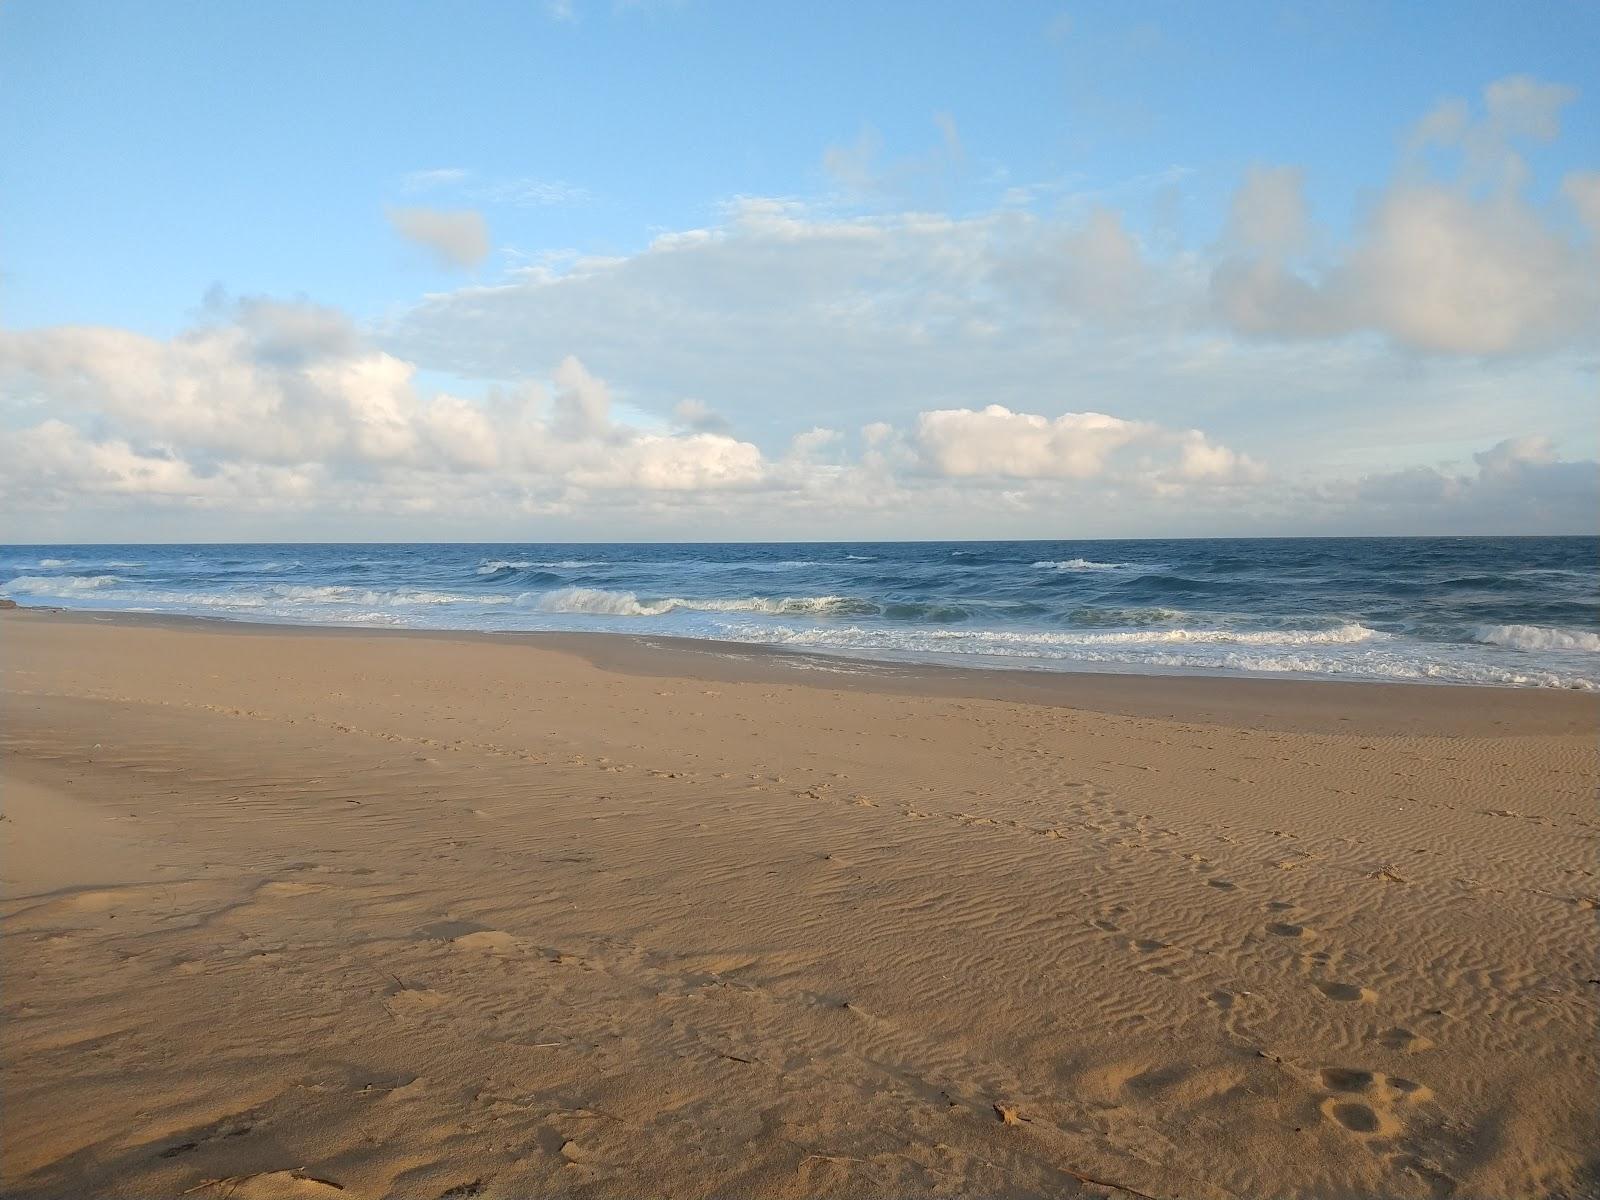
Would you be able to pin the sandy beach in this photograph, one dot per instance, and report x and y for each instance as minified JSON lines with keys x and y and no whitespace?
{"x":335,"y":913}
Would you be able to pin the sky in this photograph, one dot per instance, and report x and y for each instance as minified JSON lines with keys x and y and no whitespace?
{"x":689,"y":270}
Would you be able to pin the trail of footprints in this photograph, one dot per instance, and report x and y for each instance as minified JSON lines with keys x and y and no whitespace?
{"x":1369,"y":1105}
{"x":1364,"y":1104}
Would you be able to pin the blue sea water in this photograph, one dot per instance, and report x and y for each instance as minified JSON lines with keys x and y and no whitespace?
{"x":1509,"y":611}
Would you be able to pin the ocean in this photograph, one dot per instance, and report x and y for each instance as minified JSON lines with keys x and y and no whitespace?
{"x":1506,"y":611}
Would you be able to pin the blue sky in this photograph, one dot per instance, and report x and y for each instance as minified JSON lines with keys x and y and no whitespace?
{"x":736,"y":224}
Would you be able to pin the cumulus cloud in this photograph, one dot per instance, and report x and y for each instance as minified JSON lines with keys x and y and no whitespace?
{"x":1517,"y":108}
{"x":1515,"y":485}
{"x":999,"y":443}
{"x":286,"y":399}
{"x":784,"y":314}
{"x":1268,"y":213}
{"x":1460,"y":265}
{"x":1582,"y":190}
{"x":456,"y":238}
{"x":699,"y":416}
{"x":271,"y":406}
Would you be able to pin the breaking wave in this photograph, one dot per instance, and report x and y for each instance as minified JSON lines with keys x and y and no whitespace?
{"x":501,"y":566}
{"x":601,"y":602}
{"x":1537,"y":637}
{"x":57,"y":585}
{"x":1082,"y":564}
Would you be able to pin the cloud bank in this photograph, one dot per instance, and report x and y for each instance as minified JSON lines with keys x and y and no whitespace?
{"x":799,"y":368}
{"x":284,"y":408}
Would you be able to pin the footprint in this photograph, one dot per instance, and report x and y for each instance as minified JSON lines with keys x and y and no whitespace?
{"x":1222,"y":885}
{"x":1356,"y":1117}
{"x":289,"y":887}
{"x":1441,"y":1185}
{"x":1279,"y":906}
{"x":1374,"y":1112}
{"x":1345,"y":1079}
{"x":1402,"y":1039}
{"x":1408,"y":1090}
{"x":1347,"y":993}
{"x":495,"y":941}
{"x":418,"y":1000}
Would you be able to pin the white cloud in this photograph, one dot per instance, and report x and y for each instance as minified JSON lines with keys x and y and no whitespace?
{"x":286,"y":392}
{"x":435,"y":177}
{"x":998,"y":443}
{"x":1582,"y":190}
{"x":1445,"y":272}
{"x":1268,"y":213}
{"x":1517,"y":108}
{"x":1517,"y":485}
{"x":859,"y":169}
{"x":1446,"y":266}
{"x":458,"y":238}
{"x":284,"y":407}
{"x":784,"y":314}
{"x":699,"y":416}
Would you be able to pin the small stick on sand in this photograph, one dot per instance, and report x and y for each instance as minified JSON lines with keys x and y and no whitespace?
{"x":1121,"y":1187}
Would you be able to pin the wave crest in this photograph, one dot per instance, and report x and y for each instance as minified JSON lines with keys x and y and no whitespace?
{"x":500,"y":566}
{"x":1538,"y":637}
{"x":1080,"y":564}
{"x":600,"y":602}
{"x":37,"y":585}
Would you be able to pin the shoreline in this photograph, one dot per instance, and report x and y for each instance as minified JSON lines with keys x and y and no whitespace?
{"x":1292,"y":703}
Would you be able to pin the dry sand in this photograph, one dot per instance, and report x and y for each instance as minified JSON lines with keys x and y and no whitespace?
{"x":358,"y":915}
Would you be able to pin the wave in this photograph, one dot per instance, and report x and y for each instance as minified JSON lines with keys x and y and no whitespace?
{"x":601,"y":602}
{"x":50,"y":563}
{"x":986,"y":641}
{"x":262,"y":567}
{"x":1321,"y":653}
{"x":1389,"y":668}
{"x":272,"y":596}
{"x":1538,"y":637}
{"x":56,"y":585}
{"x":1341,"y":635}
{"x":344,"y":594}
{"x":500,"y":566}
{"x":1082,"y":564}
{"x":1154,"y":615}
{"x":861,"y":558}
